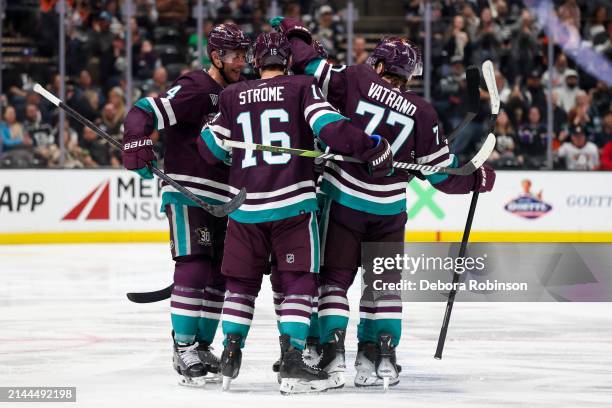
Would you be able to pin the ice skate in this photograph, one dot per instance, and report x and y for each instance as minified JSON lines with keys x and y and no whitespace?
{"x":297,"y":377}
{"x":365,"y":364}
{"x":283,"y":341}
{"x":210,"y":361}
{"x":332,"y":360}
{"x":385,"y":366}
{"x":188,"y":365}
{"x":231,"y":359}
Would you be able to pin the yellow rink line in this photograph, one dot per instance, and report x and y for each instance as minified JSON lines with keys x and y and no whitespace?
{"x":411,"y":236}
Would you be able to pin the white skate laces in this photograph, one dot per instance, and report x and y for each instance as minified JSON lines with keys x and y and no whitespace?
{"x":189,"y":354}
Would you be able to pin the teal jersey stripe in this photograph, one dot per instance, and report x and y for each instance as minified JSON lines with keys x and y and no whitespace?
{"x":360,"y":204}
{"x":178,"y":198}
{"x":253,"y":217}
{"x":143,"y":104}
{"x":314,"y":241}
{"x":439,"y":177}
{"x":181,"y":244}
{"x":325,"y":120}
{"x":214,"y":148}
{"x":312,"y":66}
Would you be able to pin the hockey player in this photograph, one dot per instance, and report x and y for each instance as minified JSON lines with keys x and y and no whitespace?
{"x":278,"y":216}
{"x":361,"y":209}
{"x":196,"y":236}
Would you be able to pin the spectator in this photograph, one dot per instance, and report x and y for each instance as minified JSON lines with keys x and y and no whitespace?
{"x":605,"y":137}
{"x":568,"y":91}
{"x":502,"y":86}
{"x":532,"y":140}
{"x":525,"y":47}
{"x":102,"y":40}
{"x":533,"y":91}
{"x":40,"y":133}
{"x":505,"y":154}
{"x":597,"y":29}
{"x":569,"y":12}
{"x":457,"y":41}
{"x":583,"y":115}
{"x":606,"y":157}
{"x":12,"y":132}
{"x":559,"y":115}
{"x":488,"y":39}
{"x":159,"y":82}
{"x":147,"y":60}
{"x":117,"y":98}
{"x":579,"y":154}
{"x":97,"y":151}
{"x":111,"y":122}
{"x":360,"y":54}
{"x":601,"y":98}
{"x":472,"y":22}
{"x":558,"y":72}
{"x":327,"y":31}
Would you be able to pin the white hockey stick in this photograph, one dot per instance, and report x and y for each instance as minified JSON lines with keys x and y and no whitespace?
{"x":488,"y":72}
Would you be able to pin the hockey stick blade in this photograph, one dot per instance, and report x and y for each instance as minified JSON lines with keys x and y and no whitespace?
{"x":488,"y":72}
{"x":151,"y":297}
{"x":216,"y":210}
{"x":473,"y":102}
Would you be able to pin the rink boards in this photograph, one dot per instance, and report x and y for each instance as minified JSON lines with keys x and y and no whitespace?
{"x":65,"y":206}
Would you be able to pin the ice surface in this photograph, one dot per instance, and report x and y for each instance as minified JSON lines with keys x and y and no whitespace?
{"x":65,"y":321}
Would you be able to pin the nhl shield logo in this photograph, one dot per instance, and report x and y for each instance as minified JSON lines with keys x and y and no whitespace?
{"x":290,"y":258}
{"x":204,"y":237}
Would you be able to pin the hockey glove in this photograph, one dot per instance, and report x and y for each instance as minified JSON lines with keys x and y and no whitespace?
{"x":136,"y":156}
{"x":379,"y":157}
{"x":291,"y":27}
{"x":484,"y":179}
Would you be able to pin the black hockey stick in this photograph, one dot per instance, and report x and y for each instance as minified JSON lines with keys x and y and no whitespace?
{"x":467,"y":169}
{"x":221,"y":210}
{"x":150,"y":297}
{"x":489,"y":75}
{"x":473,"y":101}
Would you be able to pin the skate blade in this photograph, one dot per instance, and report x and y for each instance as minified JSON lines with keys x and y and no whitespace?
{"x":291,"y":386}
{"x":197,"y":382}
{"x":226,"y":383}
{"x":336,"y":380}
{"x":367,"y":379}
{"x":211,"y":378}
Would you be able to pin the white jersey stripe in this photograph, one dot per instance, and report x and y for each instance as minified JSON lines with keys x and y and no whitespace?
{"x":281,"y":191}
{"x":316,"y":106}
{"x":197,"y":191}
{"x":169,"y":111}
{"x":317,"y":115}
{"x":158,"y":115}
{"x":401,"y":186}
{"x":359,"y":194}
{"x":205,"y":182}
{"x":220,"y":130}
{"x":278,"y":204}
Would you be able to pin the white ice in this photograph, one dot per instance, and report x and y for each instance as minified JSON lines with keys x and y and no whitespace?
{"x":65,"y":321}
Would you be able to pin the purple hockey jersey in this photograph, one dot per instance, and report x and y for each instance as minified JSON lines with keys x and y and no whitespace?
{"x":181,"y":112}
{"x":407,"y":121}
{"x":287,"y":111}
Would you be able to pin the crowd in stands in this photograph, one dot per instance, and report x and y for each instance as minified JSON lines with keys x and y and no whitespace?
{"x":464,"y":32}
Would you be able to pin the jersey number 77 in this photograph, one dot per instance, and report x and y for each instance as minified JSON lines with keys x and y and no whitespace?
{"x":393,"y":118}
